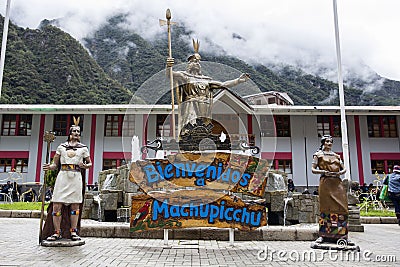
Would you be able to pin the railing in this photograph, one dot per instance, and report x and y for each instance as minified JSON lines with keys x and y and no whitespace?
{"x":6,"y":197}
{"x":235,"y":138}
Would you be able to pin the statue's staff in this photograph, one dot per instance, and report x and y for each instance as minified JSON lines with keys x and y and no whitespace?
{"x":169,"y":23}
{"x":49,"y":137}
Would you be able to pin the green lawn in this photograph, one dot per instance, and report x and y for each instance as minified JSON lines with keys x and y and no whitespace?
{"x":377,"y":213}
{"x":22,"y":206}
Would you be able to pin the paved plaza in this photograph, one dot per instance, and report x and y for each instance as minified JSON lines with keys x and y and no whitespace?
{"x":19,"y":247}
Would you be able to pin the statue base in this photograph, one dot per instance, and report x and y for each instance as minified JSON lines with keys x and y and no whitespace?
{"x":198,"y":136}
{"x":334,"y":246}
{"x":63,"y":243}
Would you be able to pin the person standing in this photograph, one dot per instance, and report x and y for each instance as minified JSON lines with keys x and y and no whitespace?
{"x":394,"y":190}
{"x":5,"y":190}
{"x":73,"y":158}
{"x":291,"y":186}
{"x":332,"y":193}
{"x":49,"y":194}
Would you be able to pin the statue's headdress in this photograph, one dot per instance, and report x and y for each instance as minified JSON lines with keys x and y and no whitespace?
{"x":75,"y":125}
{"x":196,"y":46}
{"x":323,"y":139}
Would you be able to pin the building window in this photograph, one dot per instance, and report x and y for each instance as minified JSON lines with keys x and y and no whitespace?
{"x":128,"y":125}
{"x":284,"y":165}
{"x":109,"y":164}
{"x":5,"y":165}
{"x":383,"y":166}
{"x":267,"y":126}
{"x":17,"y":125}
{"x":62,"y":122}
{"x":112,"y":163}
{"x":163,"y":125}
{"x":382,"y":126}
{"x":119,"y":125}
{"x":282,"y":123}
{"x":113,"y":125}
{"x":21,"y":165}
{"x":17,"y":165}
{"x":328,"y":125}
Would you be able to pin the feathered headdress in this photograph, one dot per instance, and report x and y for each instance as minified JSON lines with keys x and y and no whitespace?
{"x":76,"y":121}
{"x":76,"y":124}
{"x":196,"y":46}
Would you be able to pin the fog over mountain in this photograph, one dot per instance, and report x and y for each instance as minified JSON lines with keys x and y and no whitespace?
{"x":272,"y":33}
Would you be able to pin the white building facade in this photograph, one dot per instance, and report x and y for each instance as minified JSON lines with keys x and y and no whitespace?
{"x":287,"y":135}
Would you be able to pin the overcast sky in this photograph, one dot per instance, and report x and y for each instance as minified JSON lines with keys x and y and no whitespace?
{"x":296,"y":32}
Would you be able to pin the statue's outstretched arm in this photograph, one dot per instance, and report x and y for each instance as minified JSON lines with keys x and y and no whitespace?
{"x":242,"y":78}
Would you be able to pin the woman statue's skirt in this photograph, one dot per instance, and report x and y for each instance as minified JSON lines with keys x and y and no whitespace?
{"x":334,"y":213}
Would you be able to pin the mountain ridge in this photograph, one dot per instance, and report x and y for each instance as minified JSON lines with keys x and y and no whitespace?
{"x":48,"y":66}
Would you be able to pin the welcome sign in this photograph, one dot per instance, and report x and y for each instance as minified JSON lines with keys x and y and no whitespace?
{"x":149,"y":213}
{"x":192,"y":190}
{"x":218,"y":171}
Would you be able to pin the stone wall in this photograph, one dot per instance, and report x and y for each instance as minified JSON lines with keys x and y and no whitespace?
{"x":303,"y":208}
{"x":299,"y":208}
{"x":115,"y":193}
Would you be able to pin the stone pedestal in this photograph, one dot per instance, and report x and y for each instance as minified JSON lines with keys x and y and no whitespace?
{"x":354,"y":214}
{"x":62,"y":243}
{"x":332,"y":246}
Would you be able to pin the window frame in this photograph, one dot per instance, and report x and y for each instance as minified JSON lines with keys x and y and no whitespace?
{"x":162,"y":121}
{"x":275,"y":165}
{"x":128,"y":125}
{"x":18,"y":129}
{"x":122,"y":125}
{"x":13,"y":165}
{"x":382,"y":126}
{"x":282,"y":125}
{"x":6,"y":166}
{"x":286,"y":163}
{"x":23,"y":166}
{"x":385,"y":165}
{"x":118,"y":162}
{"x":334,"y":128}
{"x":266,"y":123}
{"x":112,"y":125}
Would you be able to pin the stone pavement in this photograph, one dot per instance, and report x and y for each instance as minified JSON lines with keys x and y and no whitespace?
{"x":19,"y":247}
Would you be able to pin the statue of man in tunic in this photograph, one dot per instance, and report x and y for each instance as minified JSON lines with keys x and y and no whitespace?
{"x":73,"y":158}
{"x":195,"y":90}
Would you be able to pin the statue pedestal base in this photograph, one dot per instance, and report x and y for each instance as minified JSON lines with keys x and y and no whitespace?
{"x":63,"y":243}
{"x":333,"y":246}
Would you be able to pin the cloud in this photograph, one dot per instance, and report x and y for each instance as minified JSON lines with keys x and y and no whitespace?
{"x":300,"y":33}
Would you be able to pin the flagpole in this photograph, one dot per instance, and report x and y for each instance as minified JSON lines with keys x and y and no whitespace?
{"x":4,"y":43}
{"x":345,"y":142}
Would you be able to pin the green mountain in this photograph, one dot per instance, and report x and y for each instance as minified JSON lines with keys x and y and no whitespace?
{"x":141,"y":59}
{"x":48,"y":66}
